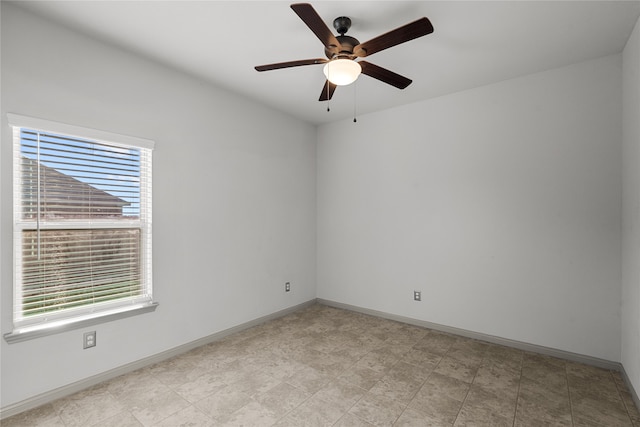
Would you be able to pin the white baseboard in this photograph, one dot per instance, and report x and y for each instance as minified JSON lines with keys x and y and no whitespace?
{"x":67,"y":390}
{"x":588,"y":360}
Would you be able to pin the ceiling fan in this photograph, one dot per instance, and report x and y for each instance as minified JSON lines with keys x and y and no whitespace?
{"x":341,"y":67}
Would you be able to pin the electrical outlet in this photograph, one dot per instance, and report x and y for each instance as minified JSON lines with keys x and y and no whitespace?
{"x":287,"y":287}
{"x":89,"y":340}
{"x":417,"y":296}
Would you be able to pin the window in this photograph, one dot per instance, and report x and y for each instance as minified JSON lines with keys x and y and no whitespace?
{"x":82,"y":226}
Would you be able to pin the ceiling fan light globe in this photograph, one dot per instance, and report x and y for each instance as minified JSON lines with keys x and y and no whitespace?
{"x":342,"y":72}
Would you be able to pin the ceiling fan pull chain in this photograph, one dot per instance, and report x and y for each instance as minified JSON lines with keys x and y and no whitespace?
{"x":328,"y":97}
{"x":355,"y":85}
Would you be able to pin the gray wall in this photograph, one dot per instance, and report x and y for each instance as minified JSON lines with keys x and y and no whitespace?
{"x":234,"y":198}
{"x":631,"y":210}
{"x":502,"y":204}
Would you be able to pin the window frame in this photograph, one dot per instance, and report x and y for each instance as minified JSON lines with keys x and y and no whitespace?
{"x":24,"y":329}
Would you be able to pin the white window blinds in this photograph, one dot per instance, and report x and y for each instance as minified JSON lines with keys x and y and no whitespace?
{"x":82,"y":222}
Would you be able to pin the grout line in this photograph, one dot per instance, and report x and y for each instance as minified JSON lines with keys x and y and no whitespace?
{"x":626,"y":408}
{"x":467,"y":393}
{"x":301,"y":403}
{"x":337,"y":379}
{"x":419,"y":388}
{"x":566,"y":377}
{"x":515,"y":414}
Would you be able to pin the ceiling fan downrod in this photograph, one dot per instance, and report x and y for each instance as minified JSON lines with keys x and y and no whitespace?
{"x":342,"y":24}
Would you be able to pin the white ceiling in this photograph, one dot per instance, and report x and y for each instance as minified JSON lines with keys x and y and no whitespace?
{"x":474,"y":43}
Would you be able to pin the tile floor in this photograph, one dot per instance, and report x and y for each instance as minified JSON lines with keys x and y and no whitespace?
{"x":323,"y":366}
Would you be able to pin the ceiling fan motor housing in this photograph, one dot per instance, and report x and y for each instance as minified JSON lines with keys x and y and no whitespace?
{"x":347,"y":43}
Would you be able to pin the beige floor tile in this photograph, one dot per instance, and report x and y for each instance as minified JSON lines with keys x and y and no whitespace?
{"x":369,"y":340}
{"x":542,"y":359}
{"x":461,"y":370}
{"x":549,"y":375}
{"x":435,"y":407}
{"x":445,"y":385}
{"x":377,"y":410}
{"x":254,"y":383}
{"x":500,"y":402}
{"x":471,"y":358}
{"x":422,"y":358}
{"x":397,"y":387}
{"x":504,"y":357}
{"x":231,"y":371}
{"x":361,"y":376}
{"x":472,"y":346}
{"x":282,"y":398}
{"x":379,"y":361}
{"x":326,"y":363}
{"x":605,"y":412}
{"x":158,"y":407}
{"x":633,"y":410}
{"x":313,"y":412}
{"x":135,"y":388}
{"x":480,"y":416}
{"x":176,"y":371}
{"x":347,"y":355}
{"x":252,"y":414}
{"x":340,"y":394}
{"x":394,"y":348}
{"x":399,"y":391}
{"x":408,"y":372}
{"x":188,"y":417}
{"x":536,"y":422}
{"x":123,"y":419}
{"x":88,"y":407}
{"x":589,"y":381}
{"x":349,"y":420}
{"x":436,"y":342}
{"x":308,"y":379}
{"x":498,"y":377}
{"x":223,"y":403}
{"x":537,"y":403}
{"x":414,"y":418}
{"x":45,"y":416}
{"x":468,"y":350}
{"x":203,"y":386}
{"x":280,"y":367}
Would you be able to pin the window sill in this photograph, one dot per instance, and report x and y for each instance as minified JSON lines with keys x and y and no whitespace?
{"x":37,"y":331}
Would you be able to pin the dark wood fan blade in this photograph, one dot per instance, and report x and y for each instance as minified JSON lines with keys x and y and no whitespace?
{"x":309,"y":16}
{"x":411,"y":31}
{"x":327,"y":91}
{"x":289,"y":64}
{"x":384,"y":75}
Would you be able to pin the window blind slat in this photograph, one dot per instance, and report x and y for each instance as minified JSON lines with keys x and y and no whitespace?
{"x":52,"y":153}
{"x":79,"y":294}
